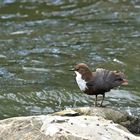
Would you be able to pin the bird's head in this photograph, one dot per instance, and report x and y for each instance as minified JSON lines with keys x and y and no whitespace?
{"x":81,"y":68}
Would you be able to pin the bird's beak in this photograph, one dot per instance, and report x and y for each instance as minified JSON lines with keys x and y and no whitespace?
{"x":125,"y":82}
{"x":72,"y":69}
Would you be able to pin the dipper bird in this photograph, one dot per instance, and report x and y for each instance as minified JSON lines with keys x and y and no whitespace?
{"x":98,"y":82}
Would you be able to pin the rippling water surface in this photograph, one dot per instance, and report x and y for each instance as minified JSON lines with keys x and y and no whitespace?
{"x":41,"y":40}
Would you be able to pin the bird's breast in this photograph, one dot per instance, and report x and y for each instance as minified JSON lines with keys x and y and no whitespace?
{"x":81,"y":82}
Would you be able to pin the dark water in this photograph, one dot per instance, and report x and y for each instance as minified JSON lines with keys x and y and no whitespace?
{"x":41,"y":40}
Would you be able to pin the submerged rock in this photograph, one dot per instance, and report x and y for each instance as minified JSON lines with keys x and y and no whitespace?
{"x":73,"y":124}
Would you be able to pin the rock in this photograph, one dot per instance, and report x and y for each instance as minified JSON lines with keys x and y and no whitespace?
{"x":73,"y":124}
{"x":122,"y":118}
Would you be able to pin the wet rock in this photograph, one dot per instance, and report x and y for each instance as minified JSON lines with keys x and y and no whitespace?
{"x":123,"y":118}
{"x":75,"y":124}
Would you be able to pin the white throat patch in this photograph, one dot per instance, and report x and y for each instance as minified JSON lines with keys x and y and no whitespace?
{"x":81,"y":83}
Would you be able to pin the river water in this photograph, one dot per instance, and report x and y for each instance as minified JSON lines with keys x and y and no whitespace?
{"x":41,"y":40}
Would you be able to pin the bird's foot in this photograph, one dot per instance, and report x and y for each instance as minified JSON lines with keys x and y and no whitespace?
{"x":95,"y":105}
{"x":102,"y":106}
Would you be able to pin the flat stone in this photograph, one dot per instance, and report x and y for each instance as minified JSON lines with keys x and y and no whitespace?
{"x":88,"y":126}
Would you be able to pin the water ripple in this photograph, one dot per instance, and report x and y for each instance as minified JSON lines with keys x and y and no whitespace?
{"x":41,"y":40}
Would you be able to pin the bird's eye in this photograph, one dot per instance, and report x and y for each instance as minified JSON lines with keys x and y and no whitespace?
{"x":119,"y":79}
{"x":77,"y":69}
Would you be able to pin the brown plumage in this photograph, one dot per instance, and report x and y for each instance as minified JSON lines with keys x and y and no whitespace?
{"x":98,"y":82}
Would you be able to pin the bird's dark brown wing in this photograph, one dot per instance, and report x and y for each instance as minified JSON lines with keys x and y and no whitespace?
{"x":104,"y":80}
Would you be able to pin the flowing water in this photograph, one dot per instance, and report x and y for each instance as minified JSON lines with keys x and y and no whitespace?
{"x":41,"y":40}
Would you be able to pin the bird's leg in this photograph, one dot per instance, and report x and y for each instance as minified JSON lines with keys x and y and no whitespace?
{"x":102,"y":100}
{"x":96,"y":96}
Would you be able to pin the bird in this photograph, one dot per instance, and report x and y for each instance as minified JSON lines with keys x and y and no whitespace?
{"x":98,"y":82}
